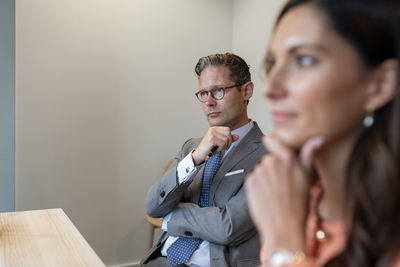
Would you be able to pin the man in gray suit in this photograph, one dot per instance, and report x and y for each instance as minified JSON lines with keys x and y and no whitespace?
{"x":201,"y":196}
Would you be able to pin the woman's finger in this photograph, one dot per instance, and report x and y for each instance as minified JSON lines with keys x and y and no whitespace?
{"x":308,"y":150}
{"x":276,"y":147}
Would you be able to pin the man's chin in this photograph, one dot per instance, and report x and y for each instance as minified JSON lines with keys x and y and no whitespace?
{"x":215,"y":122}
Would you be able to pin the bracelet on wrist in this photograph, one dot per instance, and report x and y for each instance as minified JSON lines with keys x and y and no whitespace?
{"x":284,"y":256}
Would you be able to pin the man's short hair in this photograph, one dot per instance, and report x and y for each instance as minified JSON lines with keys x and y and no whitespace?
{"x":239,"y":70}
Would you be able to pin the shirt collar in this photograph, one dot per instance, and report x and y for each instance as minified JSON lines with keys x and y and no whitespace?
{"x":241,"y":132}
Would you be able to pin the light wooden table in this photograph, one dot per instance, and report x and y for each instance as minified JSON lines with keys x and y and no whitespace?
{"x":43,"y":238}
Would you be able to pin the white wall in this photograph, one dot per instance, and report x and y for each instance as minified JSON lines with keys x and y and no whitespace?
{"x":105,"y":96}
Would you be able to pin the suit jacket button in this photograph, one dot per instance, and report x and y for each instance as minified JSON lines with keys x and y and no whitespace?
{"x":188,"y":233}
{"x":162,"y":194}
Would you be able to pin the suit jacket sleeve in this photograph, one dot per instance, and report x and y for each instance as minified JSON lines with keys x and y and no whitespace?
{"x":165,"y":195}
{"x":229,"y":226}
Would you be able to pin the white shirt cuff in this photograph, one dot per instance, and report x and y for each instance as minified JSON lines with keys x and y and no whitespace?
{"x":185,"y":168}
{"x":165,"y":222}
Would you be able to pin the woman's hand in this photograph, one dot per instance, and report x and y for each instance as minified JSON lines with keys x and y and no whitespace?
{"x":277,"y":191}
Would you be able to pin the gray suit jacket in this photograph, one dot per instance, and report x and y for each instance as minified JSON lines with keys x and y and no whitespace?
{"x":226,"y":224}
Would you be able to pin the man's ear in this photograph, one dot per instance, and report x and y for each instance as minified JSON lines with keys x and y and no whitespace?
{"x":247,"y":90}
{"x":384,"y":84}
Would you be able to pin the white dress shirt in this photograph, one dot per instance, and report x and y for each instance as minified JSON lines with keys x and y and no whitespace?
{"x":185,"y":170}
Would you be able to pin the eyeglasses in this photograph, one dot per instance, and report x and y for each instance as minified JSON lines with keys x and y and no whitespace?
{"x":217,"y":93}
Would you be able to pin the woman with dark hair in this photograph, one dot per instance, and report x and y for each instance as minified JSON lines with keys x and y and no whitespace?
{"x":328,"y":194}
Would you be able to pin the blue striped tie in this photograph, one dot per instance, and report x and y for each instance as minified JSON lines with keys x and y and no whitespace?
{"x":182,"y":249}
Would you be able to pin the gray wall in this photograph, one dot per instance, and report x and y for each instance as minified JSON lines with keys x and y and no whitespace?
{"x":7,"y":17}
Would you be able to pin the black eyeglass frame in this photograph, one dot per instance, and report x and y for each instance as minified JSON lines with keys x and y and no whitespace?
{"x":224,"y":89}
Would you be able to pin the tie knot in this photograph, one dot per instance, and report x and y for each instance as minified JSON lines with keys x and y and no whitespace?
{"x":215,"y":159}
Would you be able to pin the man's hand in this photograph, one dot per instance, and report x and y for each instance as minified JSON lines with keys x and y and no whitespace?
{"x":217,"y":136}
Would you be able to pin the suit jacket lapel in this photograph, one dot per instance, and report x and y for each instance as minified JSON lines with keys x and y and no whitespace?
{"x":249,"y":143}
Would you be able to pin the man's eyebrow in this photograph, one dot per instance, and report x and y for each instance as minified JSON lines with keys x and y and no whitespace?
{"x":213,"y":88}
